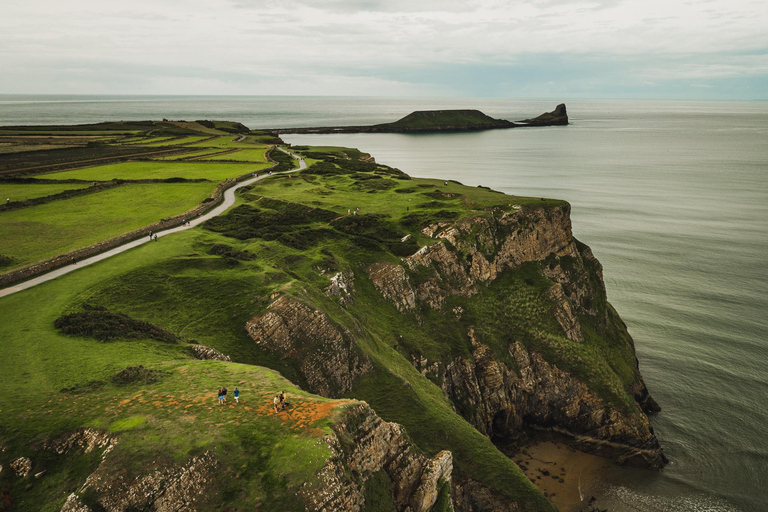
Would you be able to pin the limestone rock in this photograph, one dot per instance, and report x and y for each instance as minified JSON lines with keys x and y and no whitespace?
{"x":168,"y":488}
{"x":342,"y":286}
{"x":207,"y":353}
{"x":21,"y":466}
{"x":326,"y":354}
{"x":362,"y":444}
{"x":85,"y":439}
{"x":393,"y":283}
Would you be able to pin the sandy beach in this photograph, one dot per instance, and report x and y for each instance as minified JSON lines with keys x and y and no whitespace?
{"x":563,"y":474}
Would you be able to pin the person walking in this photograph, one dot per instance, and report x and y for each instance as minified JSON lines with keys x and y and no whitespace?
{"x":236,"y":392}
{"x":221,"y":396}
{"x":282,"y":400}
{"x":276,"y":402}
{"x":224,"y":393}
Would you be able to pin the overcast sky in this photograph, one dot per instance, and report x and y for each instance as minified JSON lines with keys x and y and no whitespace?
{"x":708,"y":49}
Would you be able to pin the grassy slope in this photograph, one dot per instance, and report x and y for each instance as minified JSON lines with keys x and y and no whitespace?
{"x":24,"y":191}
{"x":159,"y":170}
{"x":219,"y":294}
{"x":246,"y":155}
{"x":440,"y":118}
{"x":44,"y":231}
{"x":266,"y":457}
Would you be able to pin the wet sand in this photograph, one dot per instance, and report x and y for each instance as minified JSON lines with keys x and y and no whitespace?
{"x":564,"y":475}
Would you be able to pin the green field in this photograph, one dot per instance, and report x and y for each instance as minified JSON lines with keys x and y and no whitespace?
{"x":176,"y":141}
{"x":44,"y":231}
{"x":245,"y":155}
{"x":229,"y":141}
{"x":190,"y":154}
{"x":160,"y":170}
{"x":170,"y":420}
{"x":22,"y":192}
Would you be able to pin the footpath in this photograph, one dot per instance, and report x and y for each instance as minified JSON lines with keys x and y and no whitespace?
{"x":227,"y":202}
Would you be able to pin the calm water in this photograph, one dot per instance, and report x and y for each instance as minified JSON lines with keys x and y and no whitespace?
{"x":673,"y":199}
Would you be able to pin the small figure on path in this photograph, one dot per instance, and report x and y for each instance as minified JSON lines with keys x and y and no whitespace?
{"x":224,"y":393}
{"x":150,"y":236}
{"x":236,"y":392}
{"x":221,"y":396}
{"x":445,"y":183}
{"x":155,"y":237}
{"x":183,"y":222}
{"x":74,"y":260}
{"x":276,"y":402}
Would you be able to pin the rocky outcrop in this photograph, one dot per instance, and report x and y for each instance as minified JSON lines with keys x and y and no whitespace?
{"x":541,"y":395}
{"x":362,"y":444}
{"x":559,"y":116}
{"x":168,"y":488}
{"x":207,"y":353}
{"x":325,"y":353}
{"x":85,"y":439}
{"x":469,"y":495}
{"x":501,"y":400}
{"x":342,"y":286}
{"x":22,"y":466}
{"x":393,"y":283}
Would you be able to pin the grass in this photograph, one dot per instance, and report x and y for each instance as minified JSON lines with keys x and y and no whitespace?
{"x":245,"y":155}
{"x":175,"y":141}
{"x":160,"y":170}
{"x":190,"y":154}
{"x":44,"y":231}
{"x":268,"y":456}
{"x":229,"y":141}
{"x":22,"y":192}
{"x":436,"y":119}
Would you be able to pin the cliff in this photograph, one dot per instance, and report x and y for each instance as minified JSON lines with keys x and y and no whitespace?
{"x":423,"y":325}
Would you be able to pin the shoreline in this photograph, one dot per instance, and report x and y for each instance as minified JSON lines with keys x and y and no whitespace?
{"x":566,"y":476}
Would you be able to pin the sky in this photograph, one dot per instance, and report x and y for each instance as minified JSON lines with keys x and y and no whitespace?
{"x":562,"y":49}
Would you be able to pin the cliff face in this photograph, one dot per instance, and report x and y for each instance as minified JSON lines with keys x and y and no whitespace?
{"x":501,"y":396}
{"x":325,"y":353}
{"x":362,"y":444}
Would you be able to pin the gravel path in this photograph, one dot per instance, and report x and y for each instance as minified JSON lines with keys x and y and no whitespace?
{"x":229,"y":200}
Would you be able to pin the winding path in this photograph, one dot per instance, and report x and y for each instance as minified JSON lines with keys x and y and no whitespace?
{"x":228,"y":201}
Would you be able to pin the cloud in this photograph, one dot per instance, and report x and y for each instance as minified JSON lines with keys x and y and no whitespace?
{"x":238,"y":44}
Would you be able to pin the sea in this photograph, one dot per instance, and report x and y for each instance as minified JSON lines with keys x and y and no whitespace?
{"x":672,"y":196}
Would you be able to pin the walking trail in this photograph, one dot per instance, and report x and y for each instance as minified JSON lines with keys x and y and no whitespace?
{"x":229,"y":200}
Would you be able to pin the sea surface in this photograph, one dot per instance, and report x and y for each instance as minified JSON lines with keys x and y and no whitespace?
{"x":671,"y":196}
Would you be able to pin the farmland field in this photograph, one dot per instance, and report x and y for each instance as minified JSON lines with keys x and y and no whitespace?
{"x":44,"y":231}
{"x":160,"y":170}
{"x":22,"y":192}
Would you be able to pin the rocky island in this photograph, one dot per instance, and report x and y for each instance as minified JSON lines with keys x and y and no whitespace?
{"x":420,"y":329}
{"x":426,"y":121}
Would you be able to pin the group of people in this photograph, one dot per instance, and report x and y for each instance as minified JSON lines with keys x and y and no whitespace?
{"x":223,"y":395}
{"x":279,"y":402}
{"x":152,"y":236}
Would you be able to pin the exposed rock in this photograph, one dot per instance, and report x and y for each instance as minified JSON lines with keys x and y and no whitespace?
{"x":503,"y":402}
{"x":564,"y":313}
{"x":21,"y":466}
{"x":498,"y":400}
{"x":342,"y":286}
{"x":168,"y":488}
{"x":85,"y":439}
{"x":208,"y":353}
{"x":74,"y":504}
{"x":362,"y":444}
{"x":325,"y":353}
{"x":469,"y":495}
{"x":393,"y":283}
